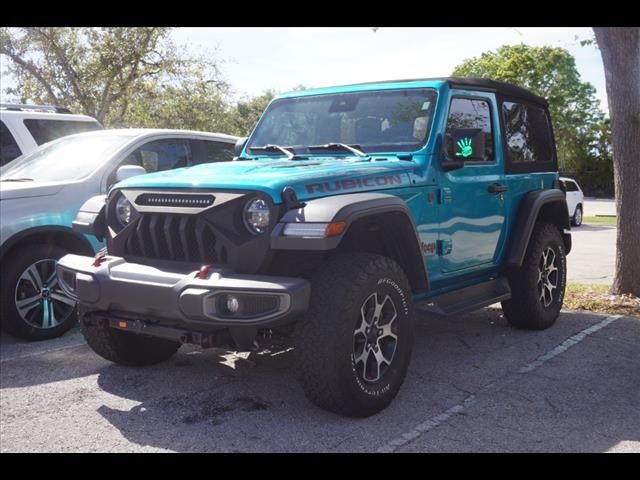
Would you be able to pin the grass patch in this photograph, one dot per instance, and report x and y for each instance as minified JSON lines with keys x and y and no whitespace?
{"x":600,"y":220}
{"x":596,"y":298}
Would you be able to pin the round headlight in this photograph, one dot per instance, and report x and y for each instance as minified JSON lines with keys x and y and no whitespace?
{"x":123,"y":210}
{"x":256,"y":215}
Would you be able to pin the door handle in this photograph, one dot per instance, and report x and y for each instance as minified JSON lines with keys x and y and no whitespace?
{"x":497,"y":188}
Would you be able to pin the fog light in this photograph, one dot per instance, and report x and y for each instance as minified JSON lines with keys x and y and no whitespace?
{"x":238,"y":306}
{"x":232,"y":304}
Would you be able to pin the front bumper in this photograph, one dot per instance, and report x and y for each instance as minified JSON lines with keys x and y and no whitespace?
{"x":178,"y":298}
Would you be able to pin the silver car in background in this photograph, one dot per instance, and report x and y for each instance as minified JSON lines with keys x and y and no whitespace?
{"x":40,"y":194}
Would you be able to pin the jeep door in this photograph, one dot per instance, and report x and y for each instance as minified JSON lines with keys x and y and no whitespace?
{"x":472,"y":207}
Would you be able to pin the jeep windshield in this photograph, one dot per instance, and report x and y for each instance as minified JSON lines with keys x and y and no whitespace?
{"x":374,"y":121}
{"x":65,"y":159}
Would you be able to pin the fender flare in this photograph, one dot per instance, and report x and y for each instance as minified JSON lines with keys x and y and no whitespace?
{"x":528,"y":212}
{"x":90,"y":219}
{"x":350,"y":208}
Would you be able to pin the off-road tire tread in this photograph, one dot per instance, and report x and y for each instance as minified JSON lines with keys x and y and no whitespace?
{"x":523,"y":310}
{"x":314,"y":334}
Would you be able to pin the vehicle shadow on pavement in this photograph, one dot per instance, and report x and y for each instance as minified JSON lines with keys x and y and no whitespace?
{"x":202,"y":400}
{"x":212,"y":401}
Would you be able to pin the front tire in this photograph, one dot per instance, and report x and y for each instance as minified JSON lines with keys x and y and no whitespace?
{"x":127,"y":348}
{"x":538,"y":285}
{"x":33,"y":305}
{"x":354,"y":344}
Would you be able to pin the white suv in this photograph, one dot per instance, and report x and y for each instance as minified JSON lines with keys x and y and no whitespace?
{"x":575,"y":200}
{"x":24,"y":127}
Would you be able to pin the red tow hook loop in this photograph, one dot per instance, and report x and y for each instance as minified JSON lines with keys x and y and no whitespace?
{"x":203,"y":274}
{"x":100,"y":257}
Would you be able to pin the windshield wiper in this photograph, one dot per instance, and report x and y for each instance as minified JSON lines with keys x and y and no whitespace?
{"x":289,"y":153}
{"x":16,"y":180}
{"x":336,"y":146}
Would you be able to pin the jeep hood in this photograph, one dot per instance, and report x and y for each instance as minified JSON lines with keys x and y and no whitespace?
{"x":13,"y":190}
{"x":315,"y":177}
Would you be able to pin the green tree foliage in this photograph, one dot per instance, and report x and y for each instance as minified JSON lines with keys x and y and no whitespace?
{"x":103,"y":72}
{"x":125,"y":77}
{"x":579,"y":124}
{"x":248,"y":111}
{"x":191,"y":104}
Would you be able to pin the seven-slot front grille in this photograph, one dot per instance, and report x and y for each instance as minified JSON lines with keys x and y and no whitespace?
{"x":175,"y":200}
{"x":175,"y":237}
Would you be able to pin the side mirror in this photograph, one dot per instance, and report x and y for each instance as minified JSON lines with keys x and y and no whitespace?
{"x":446,"y":162}
{"x":127,"y":171}
{"x":239,"y":146}
{"x":462,"y":145}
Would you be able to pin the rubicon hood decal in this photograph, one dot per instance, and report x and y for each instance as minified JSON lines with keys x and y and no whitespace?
{"x":355,"y":184}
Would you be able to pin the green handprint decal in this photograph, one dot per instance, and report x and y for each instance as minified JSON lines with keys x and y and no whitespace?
{"x":465,"y":148}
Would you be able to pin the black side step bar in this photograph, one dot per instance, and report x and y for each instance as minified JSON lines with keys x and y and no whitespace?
{"x":467,"y":299}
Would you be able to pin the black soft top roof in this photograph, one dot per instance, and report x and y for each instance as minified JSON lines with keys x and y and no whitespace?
{"x":471,"y":83}
{"x":503,"y":88}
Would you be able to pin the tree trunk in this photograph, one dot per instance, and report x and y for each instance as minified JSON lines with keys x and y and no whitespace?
{"x":620,"y":49}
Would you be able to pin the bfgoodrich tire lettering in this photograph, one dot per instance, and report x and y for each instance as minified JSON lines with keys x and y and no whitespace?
{"x":538,"y":285}
{"x":348,"y":288}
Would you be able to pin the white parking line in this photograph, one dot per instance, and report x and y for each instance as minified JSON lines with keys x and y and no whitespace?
{"x":443,"y":417}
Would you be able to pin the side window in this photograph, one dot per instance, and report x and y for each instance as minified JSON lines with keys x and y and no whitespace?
{"x":571,"y":187}
{"x":207,"y":151}
{"x":528,"y":138}
{"x":8,"y":147}
{"x":156,"y":156}
{"x":44,"y":131}
{"x":160,"y":155}
{"x":469,"y":134}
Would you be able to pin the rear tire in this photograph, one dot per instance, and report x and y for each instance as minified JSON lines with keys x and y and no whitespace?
{"x":538,"y":285}
{"x":127,"y":348}
{"x":354,"y":344}
{"x":576,"y":220}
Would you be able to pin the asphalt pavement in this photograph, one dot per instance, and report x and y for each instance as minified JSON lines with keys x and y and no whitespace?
{"x":592,"y":258}
{"x":593,"y":254}
{"x":596,"y":207}
{"x":475,"y":384}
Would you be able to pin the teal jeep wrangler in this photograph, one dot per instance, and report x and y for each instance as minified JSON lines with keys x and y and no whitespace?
{"x":346,"y":210}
